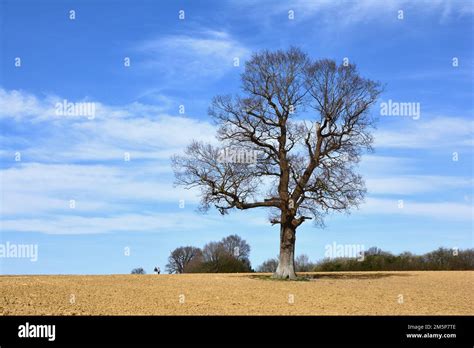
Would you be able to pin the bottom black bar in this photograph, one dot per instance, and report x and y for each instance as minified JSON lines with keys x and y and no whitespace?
{"x":451,"y":331}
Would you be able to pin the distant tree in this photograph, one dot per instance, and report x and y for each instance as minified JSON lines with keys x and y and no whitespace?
{"x":439,"y":258}
{"x":373,"y":251}
{"x":182,"y":257}
{"x":196,"y":265}
{"x":138,"y":270}
{"x":226,"y":264}
{"x":219,"y":258}
{"x":236,"y":246}
{"x":231,"y":254}
{"x":302,"y":264}
{"x":268,"y":266}
{"x":213,"y":252}
{"x":465,"y":259}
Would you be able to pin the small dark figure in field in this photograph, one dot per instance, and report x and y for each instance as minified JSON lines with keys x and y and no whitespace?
{"x":157,"y":270}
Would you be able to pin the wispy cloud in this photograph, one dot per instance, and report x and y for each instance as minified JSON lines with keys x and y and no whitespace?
{"x":143,"y":130}
{"x":350,"y":12}
{"x":416,"y":184}
{"x":202,"y":53}
{"x":438,"y":132}
{"x":126,"y":222}
{"x":48,"y":188}
{"x":111,"y":193}
{"x":386,"y":165}
{"x":68,"y":224}
{"x":73,"y":158}
{"x":450,"y":211}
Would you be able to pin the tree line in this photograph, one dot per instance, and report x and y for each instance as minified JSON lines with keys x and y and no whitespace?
{"x":231,"y":255}
{"x":375,"y":259}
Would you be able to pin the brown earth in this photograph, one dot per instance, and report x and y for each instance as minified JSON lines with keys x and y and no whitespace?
{"x":341,"y":293}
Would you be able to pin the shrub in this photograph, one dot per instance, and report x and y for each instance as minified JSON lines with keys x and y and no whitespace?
{"x":138,"y":270}
{"x":377,"y":260}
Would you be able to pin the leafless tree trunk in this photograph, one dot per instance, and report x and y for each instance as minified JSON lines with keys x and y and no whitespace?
{"x":286,"y":264}
{"x":308,"y":122}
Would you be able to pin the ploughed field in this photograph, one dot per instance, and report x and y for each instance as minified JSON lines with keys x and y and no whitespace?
{"x":334,"y":293}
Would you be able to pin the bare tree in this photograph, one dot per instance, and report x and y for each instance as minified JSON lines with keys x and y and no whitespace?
{"x":182,"y":257}
{"x":303,"y":264}
{"x":217,"y":258}
{"x":236,"y":246}
{"x":308,"y":121}
{"x":213,"y":255}
{"x":268,"y":266}
{"x":213,"y":252}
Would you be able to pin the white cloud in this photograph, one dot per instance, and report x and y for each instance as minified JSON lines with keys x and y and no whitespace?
{"x":439,"y":132}
{"x":46,"y":188}
{"x":141,"y":129}
{"x":433,"y":210}
{"x":19,"y":105}
{"x":136,"y":222}
{"x":350,"y":12}
{"x":205,"y":53}
{"x":415,"y":184}
{"x":385,"y":165}
{"x":67,"y":224}
{"x":35,"y":196}
{"x":43,"y":184}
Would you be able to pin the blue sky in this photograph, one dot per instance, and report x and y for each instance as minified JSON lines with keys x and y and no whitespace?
{"x":186,"y":62}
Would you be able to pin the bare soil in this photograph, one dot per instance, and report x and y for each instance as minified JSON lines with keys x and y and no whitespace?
{"x":335,"y":293}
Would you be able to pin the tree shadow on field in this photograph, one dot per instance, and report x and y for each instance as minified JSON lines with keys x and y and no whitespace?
{"x":316,"y":276}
